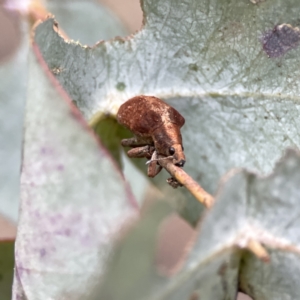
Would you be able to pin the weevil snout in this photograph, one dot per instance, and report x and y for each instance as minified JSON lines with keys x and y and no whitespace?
{"x":181,"y":163}
{"x":178,"y":156}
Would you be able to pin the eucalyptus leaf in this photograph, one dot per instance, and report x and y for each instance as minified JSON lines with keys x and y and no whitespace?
{"x":277,"y":280}
{"x":13,"y":77}
{"x":266,"y":210}
{"x":73,"y":198}
{"x":207,"y":58}
{"x":87,"y":21}
{"x":214,"y":278}
{"x":137,"y":254}
{"x":273,"y":216}
{"x":210,"y":272}
{"x":248,"y":207}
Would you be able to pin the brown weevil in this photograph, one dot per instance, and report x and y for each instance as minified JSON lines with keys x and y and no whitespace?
{"x":156,"y":126}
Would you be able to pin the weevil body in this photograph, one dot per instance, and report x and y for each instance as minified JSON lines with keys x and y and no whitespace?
{"x":156,"y":126}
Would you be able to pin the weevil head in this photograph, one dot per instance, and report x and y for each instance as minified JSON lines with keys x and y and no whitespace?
{"x":168,"y":142}
{"x":176,"y":150}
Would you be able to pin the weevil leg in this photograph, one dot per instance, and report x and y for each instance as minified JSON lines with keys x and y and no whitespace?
{"x":138,"y":152}
{"x":137,"y":141}
{"x":152,"y":173}
{"x":152,"y":167}
{"x":173,"y":183}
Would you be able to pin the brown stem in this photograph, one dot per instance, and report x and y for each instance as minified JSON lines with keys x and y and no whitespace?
{"x":258,"y":250}
{"x":183,"y":178}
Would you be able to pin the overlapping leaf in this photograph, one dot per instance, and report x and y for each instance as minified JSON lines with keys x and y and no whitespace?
{"x":79,"y":21}
{"x":248,"y":207}
{"x":13,"y":74}
{"x":73,"y":199}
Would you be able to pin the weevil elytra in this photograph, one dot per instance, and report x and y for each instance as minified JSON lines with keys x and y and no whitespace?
{"x":156,"y":126}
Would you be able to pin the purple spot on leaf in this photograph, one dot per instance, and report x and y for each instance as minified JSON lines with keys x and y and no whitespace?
{"x":60,"y":167}
{"x":281,"y":39}
{"x":43,"y":150}
{"x":46,"y":150}
{"x":19,"y":269}
{"x":53,"y":220}
{"x":22,"y":271}
{"x":67,"y":232}
{"x":86,"y":240}
{"x":76,"y":218}
{"x":42,"y":252}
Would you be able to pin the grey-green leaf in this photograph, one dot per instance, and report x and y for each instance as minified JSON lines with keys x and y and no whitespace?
{"x":13,"y":74}
{"x":247,"y":208}
{"x":73,"y":198}
{"x":138,"y":253}
{"x":87,"y":21}
{"x":217,"y":62}
{"x":265,"y":210}
{"x":273,"y":216}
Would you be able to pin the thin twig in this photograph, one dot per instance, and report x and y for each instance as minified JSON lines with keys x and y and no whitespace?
{"x":183,"y":178}
{"x":258,"y":250}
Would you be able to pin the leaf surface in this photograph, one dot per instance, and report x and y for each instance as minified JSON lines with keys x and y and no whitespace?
{"x":87,"y":21}
{"x":211,"y":276}
{"x":13,"y":74}
{"x":273,"y":216}
{"x":239,"y":98}
{"x":73,"y":198}
{"x":248,"y":208}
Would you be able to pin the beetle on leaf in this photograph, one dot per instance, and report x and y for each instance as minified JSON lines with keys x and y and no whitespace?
{"x":156,"y":126}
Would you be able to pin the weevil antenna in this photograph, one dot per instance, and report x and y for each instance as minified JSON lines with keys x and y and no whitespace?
{"x":158,"y":159}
